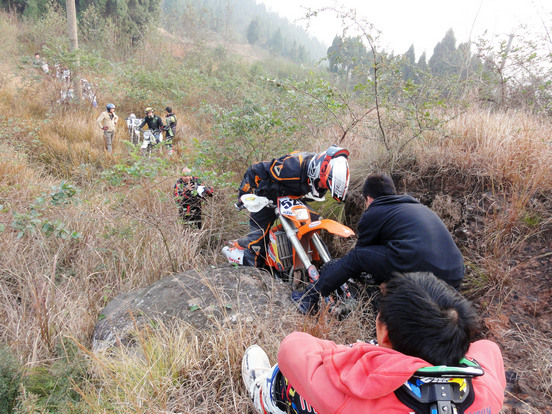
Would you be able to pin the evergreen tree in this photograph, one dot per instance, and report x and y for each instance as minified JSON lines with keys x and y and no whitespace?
{"x":444,"y":59}
{"x":409,"y":63}
{"x":334,"y":54}
{"x":346,"y":54}
{"x":422,"y":63}
{"x":293,"y":52}
{"x":277,"y":42}
{"x":130,"y":16}
{"x":301,"y":54}
{"x":253,"y":31}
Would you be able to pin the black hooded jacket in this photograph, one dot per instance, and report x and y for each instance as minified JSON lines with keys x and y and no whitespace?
{"x":415,"y":237}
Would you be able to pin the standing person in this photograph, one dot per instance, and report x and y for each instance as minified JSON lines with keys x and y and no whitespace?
{"x":297,"y":174}
{"x":170,"y":128}
{"x":154,"y":122}
{"x":189,"y":194}
{"x":424,"y":361}
{"x":396,"y":234}
{"x":107,"y":121}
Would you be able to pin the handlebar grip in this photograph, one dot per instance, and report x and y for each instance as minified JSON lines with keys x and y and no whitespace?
{"x":239,"y":205}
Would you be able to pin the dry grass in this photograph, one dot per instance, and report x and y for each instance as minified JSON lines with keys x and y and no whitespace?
{"x":180,"y":368}
{"x":509,"y":156}
{"x":531,"y":352}
{"x":508,"y":148}
{"x":53,"y":287}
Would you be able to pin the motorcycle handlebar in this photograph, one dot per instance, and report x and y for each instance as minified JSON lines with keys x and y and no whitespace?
{"x":239,"y":205}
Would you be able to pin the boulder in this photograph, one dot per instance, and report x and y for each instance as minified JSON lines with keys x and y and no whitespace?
{"x":203,"y":298}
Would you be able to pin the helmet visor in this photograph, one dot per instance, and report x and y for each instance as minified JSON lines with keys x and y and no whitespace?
{"x":338,"y":178}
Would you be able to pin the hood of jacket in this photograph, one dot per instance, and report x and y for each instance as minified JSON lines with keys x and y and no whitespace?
{"x":394,"y":199}
{"x":368,"y":371}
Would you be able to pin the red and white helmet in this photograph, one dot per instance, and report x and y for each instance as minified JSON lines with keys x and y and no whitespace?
{"x":329,"y":170}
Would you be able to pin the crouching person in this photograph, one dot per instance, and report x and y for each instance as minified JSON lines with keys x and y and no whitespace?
{"x":424,"y":329}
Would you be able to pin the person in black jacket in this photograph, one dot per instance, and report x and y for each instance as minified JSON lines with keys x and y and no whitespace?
{"x":296,"y":174}
{"x":154,"y":122}
{"x":396,"y":234}
{"x":169,"y":128}
{"x":189,"y":194}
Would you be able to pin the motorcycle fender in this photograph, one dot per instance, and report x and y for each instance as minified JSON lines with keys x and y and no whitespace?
{"x":329,"y":225}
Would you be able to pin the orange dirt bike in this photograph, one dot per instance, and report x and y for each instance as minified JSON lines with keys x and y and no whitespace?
{"x":294,"y":242}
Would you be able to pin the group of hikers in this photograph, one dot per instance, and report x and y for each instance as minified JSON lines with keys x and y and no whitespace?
{"x":64,"y":77}
{"x":189,"y":193}
{"x":424,"y":358}
{"x":107,"y":122}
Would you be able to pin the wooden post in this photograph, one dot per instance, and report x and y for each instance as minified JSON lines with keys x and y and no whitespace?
{"x":74,"y":42}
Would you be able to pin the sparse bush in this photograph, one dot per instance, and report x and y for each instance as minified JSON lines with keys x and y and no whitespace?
{"x":10,"y":378}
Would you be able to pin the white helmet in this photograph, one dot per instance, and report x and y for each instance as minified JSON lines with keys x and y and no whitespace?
{"x":132,"y":116}
{"x":329,"y":170}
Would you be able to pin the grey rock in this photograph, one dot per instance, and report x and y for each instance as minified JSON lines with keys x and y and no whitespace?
{"x":205,"y":299}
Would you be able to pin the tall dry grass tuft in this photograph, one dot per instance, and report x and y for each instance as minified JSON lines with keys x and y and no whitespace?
{"x":65,"y":139}
{"x":510,"y":148}
{"x":508,"y":158}
{"x":74,"y":141}
{"x":10,"y":45}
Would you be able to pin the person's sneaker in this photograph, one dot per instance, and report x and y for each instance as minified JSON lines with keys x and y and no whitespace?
{"x":258,"y":377}
{"x":233,"y":254}
{"x":255,"y":367}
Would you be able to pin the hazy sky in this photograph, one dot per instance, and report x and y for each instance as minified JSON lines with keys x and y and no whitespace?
{"x":422,"y":22}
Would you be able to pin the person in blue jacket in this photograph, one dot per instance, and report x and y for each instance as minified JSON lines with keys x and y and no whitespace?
{"x":396,"y":234}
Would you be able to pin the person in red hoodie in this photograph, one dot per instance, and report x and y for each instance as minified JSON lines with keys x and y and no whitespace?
{"x":423,"y":362}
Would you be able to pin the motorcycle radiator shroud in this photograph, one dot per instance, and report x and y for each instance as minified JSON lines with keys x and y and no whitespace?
{"x":280,"y":250}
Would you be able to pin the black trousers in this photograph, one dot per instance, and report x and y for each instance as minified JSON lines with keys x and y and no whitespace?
{"x":190,"y":214}
{"x":256,"y":240}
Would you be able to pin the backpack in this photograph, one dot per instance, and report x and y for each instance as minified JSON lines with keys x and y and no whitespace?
{"x":441,"y":389}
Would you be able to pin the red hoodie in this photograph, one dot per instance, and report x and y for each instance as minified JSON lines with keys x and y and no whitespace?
{"x":362,"y":378}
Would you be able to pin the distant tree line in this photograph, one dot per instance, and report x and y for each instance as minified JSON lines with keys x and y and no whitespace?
{"x":275,"y":42}
{"x":128,"y":18}
{"x":241,"y":21}
{"x":348,"y":53}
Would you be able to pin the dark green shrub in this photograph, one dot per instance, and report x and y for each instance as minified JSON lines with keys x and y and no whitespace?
{"x":10,"y":378}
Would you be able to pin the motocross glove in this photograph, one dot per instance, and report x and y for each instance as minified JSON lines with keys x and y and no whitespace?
{"x":306,"y":300}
